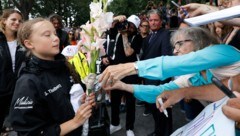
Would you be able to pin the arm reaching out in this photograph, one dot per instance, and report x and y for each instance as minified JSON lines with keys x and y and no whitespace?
{"x":207,"y":92}
{"x":116,"y":72}
{"x":196,"y":9}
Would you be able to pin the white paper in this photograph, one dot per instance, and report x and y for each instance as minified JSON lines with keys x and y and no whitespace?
{"x":224,"y":14}
{"x":75,"y":96}
{"x":210,"y":122}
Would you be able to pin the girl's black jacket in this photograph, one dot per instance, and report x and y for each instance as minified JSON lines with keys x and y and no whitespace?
{"x":41,"y":101}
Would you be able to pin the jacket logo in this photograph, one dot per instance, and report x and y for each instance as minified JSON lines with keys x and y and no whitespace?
{"x":23,"y":103}
{"x":49,"y":91}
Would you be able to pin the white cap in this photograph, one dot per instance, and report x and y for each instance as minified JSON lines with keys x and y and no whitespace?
{"x":70,"y":50}
{"x":135,"y":20}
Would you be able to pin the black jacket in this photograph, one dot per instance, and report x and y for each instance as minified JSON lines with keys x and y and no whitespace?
{"x":7,"y":75}
{"x":64,"y":39}
{"x":41,"y":101}
{"x":159,"y":46}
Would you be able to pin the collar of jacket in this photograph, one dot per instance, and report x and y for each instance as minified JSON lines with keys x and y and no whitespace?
{"x":58,"y":63}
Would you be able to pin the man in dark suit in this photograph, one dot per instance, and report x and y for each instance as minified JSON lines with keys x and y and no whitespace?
{"x":155,"y":45}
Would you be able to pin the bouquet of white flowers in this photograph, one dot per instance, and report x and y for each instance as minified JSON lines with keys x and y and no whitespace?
{"x":100,"y":21}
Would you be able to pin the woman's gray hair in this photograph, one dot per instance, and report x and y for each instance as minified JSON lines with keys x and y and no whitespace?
{"x":154,"y":11}
{"x":200,"y":37}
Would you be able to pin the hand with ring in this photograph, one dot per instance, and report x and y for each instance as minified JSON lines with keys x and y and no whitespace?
{"x":116,"y":72}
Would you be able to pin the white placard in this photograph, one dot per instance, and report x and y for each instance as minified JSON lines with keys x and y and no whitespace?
{"x":214,"y":16}
{"x":210,"y":122}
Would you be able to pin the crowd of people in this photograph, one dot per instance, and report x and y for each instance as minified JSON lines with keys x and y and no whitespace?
{"x":148,"y":56}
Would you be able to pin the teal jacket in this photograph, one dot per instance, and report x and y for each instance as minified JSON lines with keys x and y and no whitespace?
{"x":194,"y":62}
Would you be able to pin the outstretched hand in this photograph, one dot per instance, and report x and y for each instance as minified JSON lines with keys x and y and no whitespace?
{"x":196,"y":9}
{"x":116,"y":72}
{"x":117,"y":85}
{"x":169,"y":99}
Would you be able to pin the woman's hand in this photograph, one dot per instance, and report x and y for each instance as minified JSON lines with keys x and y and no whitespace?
{"x":120,"y":18}
{"x":232,"y":108}
{"x":169,"y":98}
{"x":105,"y":61}
{"x":116,"y":72}
{"x":195,"y":9}
{"x":117,"y":85}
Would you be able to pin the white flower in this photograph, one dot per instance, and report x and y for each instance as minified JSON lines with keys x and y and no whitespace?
{"x":86,"y":39}
{"x":87,"y":34}
{"x":109,"y":2}
{"x":96,"y":9}
{"x":99,"y":45}
{"x":103,"y":23}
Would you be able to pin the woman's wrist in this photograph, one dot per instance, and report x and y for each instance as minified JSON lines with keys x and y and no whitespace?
{"x":128,"y":88}
{"x":135,"y":68}
{"x":129,"y":69}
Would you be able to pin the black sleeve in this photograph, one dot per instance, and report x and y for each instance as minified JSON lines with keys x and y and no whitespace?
{"x":144,"y":46}
{"x":236,"y":40}
{"x":28,"y":112}
{"x":136,"y":44}
{"x":166,"y":48}
{"x":66,"y":42}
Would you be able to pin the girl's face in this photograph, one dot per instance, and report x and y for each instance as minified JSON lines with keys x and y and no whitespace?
{"x":13,"y":22}
{"x":43,"y":41}
{"x":218,"y":28}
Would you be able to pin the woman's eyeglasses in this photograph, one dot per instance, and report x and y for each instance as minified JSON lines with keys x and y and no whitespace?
{"x":178,"y":44}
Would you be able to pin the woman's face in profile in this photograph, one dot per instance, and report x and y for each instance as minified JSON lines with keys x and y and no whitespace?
{"x":182,"y":45}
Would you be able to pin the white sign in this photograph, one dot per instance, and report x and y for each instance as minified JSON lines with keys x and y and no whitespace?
{"x":210,"y":122}
{"x":214,"y":16}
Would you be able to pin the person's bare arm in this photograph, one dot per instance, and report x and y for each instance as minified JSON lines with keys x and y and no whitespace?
{"x":119,"y":85}
{"x":83,"y":113}
{"x":232,"y":22}
{"x":196,"y":9}
{"x":207,"y":93}
{"x":128,"y":50}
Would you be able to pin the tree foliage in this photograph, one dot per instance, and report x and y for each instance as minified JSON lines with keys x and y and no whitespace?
{"x":127,"y":7}
{"x":24,"y":6}
{"x":74,"y":12}
{"x":70,"y":10}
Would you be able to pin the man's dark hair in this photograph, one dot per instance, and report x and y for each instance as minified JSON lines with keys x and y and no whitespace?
{"x":56,"y":17}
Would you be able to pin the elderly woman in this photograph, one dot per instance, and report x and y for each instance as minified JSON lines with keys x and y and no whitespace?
{"x":185,"y":41}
